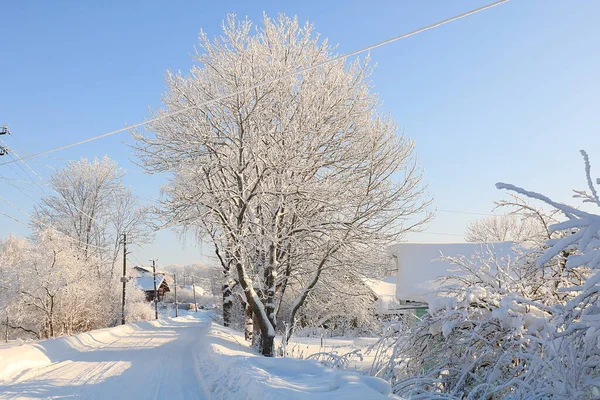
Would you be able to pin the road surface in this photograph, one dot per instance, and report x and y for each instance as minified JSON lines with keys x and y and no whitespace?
{"x":156,"y":362}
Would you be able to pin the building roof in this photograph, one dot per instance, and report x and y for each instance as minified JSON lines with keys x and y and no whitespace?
{"x":146,"y":271}
{"x":419,"y":265}
{"x":146,"y":283}
{"x":385,"y":291}
{"x":142,"y":269}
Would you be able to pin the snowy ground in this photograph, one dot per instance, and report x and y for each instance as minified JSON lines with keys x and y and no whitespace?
{"x":182,"y":358}
{"x":353,"y":351}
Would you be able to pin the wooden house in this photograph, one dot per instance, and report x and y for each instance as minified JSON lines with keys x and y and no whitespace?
{"x":145,"y":281}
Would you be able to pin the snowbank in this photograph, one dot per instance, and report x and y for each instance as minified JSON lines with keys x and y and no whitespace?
{"x":20,"y":357}
{"x":236,"y":372}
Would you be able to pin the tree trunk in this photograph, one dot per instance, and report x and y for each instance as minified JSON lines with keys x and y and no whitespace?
{"x":227,"y":288}
{"x":270,"y":283}
{"x":256,"y":334}
{"x":265,"y":328}
{"x":267,"y":344}
{"x":248,"y":323}
{"x":301,"y":299}
{"x":227,"y":303}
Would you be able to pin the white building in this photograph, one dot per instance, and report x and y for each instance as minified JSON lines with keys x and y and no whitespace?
{"x":419,"y":266}
{"x":384,"y":292}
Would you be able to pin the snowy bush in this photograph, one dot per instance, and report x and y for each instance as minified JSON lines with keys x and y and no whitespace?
{"x":475,"y":337}
{"x":136,"y":306}
{"x":570,"y":357}
{"x":521,"y":328}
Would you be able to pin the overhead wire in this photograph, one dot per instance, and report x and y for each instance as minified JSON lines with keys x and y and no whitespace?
{"x":7,"y":181}
{"x":35,"y":184}
{"x":43,"y":193}
{"x":23,"y":179}
{"x":46,"y":225}
{"x":469,"y":213}
{"x":252,"y":87}
{"x":14,"y":219}
{"x":267,"y":82}
{"x":13,"y":151}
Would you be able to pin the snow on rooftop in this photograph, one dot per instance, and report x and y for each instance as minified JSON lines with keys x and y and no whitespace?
{"x":147,"y":282}
{"x":385,"y":287}
{"x":419,"y":267}
{"x":385,"y":290}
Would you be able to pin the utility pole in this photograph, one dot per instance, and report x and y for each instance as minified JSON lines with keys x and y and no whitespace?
{"x":124,"y":277}
{"x":6,"y":332}
{"x":194,"y":290}
{"x":175,"y":284}
{"x":4,"y":131}
{"x":155,"y":293}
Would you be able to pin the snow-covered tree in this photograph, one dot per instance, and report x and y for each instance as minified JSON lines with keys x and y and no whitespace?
{"x":91,"y":206}
{"x":523,"y":224}
{"x":62,"y":280}
{"x":52,"y":294}
{"x":475,"y":340}
{"x":287,"y":177}
{"x":51,"y":290}
{"x":502,"y":228}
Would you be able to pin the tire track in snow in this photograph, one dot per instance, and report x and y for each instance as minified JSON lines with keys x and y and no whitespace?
{"x":159,"y":362}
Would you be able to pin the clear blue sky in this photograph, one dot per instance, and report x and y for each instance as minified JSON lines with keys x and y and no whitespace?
{"x":510,"y":94}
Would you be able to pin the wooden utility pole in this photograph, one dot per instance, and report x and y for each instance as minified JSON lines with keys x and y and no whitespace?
{"x":194,"y":290}
{"x":124,"y":277}
{"x":6,"y":332}
{"x":155,"y":292}
{"x":175,"y":284}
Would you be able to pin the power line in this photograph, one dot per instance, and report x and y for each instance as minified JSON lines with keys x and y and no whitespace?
{"x":13,"y":137}
{"x":15,"y":207}
{"x":46,"y":225}
{"x":440,"y":233}
{"x":469,"y":213}
{"x":12,"y":151}
{"x":14,"y":219}
{"x":23,"y":179}
{"x":7,"y":181}
{"x":258,"y":85}
{"x":33,"y":180}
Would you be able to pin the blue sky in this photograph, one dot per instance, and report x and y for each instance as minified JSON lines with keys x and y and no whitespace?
{"x":510,"y":94}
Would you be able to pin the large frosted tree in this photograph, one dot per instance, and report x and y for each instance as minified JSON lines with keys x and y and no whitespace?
{"x":290,"y":179}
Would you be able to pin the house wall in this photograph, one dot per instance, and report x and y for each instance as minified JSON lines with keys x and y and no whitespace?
{"x":419,"y":266}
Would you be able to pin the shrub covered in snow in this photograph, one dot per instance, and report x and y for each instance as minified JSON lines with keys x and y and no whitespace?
{"x":521,"y":328}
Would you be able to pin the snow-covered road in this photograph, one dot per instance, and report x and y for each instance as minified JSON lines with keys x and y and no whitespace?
{"x":189,"y":357}
{"x":152,"y":362}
